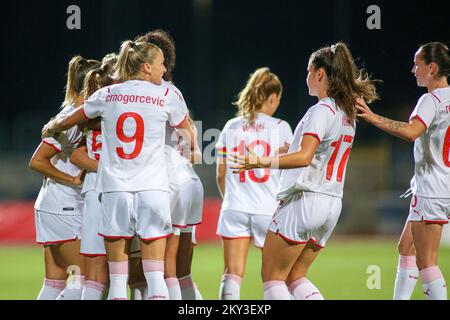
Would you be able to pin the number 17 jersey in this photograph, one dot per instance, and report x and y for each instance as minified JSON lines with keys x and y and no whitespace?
{"x":326,"y":172}
{"x":252,"y":191}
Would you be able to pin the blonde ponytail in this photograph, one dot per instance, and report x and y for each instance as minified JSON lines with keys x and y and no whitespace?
{"x":76,"y":72}
{"x":260,"y":85}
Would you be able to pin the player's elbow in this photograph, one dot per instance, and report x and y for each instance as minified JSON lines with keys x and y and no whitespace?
{"x":35,"y":164}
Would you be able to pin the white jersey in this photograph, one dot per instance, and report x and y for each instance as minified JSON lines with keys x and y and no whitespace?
{"x":179,"y":167}
{"x":252,"y":191}
{"x":326,"y":173}
{"x":94,"y":148}
{"x":134,"y":115}
{"x":432,"y":150}
{"x":55,"y":197}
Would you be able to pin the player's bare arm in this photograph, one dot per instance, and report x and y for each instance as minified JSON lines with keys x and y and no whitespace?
{"x":406,"y":131}
{"x":40,"y":162}
{"x":57,"y":125}
{"x":298,"y":159}
{"x":81,"y":159}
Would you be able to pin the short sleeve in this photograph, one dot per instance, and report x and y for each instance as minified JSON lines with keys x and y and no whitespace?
{"x":316,"y":122}
{"x":176,"y":109}
{"x":95,"y":105}
{"x":52,"y":142}
{"x":425,"y":110}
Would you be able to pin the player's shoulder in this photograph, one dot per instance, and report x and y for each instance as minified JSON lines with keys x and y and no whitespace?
{"x":234,"y":123}
{"x":326,"y":107}
{"x":440,"y":95}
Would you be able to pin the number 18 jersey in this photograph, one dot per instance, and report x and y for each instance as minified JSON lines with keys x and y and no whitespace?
{"x":326,"y":173}
{"x":252,"y":191}
{"x":134,"y":115}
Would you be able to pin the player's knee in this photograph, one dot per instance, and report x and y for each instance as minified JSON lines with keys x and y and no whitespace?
{"x":406,"y":248}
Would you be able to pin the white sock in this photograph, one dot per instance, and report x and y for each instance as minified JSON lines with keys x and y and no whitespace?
{"x":138,"y":291}
{"x":303,"y":289}
{"x":174,"y":288}
{"x":187,"y":288}
{"x":73,"y":289}
{"x":51,"y":289}
{"x":154,"y":274}
{"x":198,"y":295}
{"x":230,"y":287}
{"x":433,"y":283}
{"x":118,"y":280}
{"x":406,"y":279}
{"x":92,"y":290}
{"x":276,"y":290}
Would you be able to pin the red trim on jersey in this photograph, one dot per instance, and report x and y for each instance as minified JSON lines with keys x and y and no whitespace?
{"x":51,"y":145}
{"x":56,"y":242}
{"x":194,"y":224}
{"x":312,"y":134}
{"x":115,"y":237}
{"x":93,"y":254}
{"x":184,"y":119}
{"x":84,"y":113}
{"x":234,"y":238}
{"x":179,"y":226}
{"x":157,"y":238}
{"x":323,"y":104}
{"x":290,"y":240}
{"x":420,"y":119}
{"x":439,"y":100}
{"x":436,"y":221}
{"x":167,"y":91}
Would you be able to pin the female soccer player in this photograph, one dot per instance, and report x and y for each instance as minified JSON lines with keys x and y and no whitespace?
{"x":132,"y":176}
{"x":310,"y":192}
{"x":429,"y":128}
{"x":249,"y":199}
{"x":59,"y":203}
{"x":86,"y":158}
{"x":186,"y":190}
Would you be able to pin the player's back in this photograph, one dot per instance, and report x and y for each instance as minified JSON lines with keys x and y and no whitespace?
{"x":326,"y":172}
{"x":253,"y":191}
{"x":134,"y":115}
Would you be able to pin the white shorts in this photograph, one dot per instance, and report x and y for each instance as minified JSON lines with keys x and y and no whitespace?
{"x":186,"y":203}
{"x":135,"y":246}
{"x":307,"y":216}
{"x":237,"y":224}
{"x":54,"y":228}
{"x":91,"y":243}
{"x":429,"y":210}
{"x":144,"y":213}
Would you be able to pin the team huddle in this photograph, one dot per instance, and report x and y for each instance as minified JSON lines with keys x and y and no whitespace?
{"x":120,"y":198}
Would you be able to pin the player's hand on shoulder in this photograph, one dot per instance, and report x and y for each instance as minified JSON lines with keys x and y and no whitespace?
{"x":363,"y":110}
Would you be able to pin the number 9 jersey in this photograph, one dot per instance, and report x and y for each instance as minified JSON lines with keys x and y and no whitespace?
{"x":134,"y":115}
{"x":326,"y":173}
{"x":252,"y":191}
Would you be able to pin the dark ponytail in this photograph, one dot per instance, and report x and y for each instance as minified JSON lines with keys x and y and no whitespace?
{"x":438,"y":53}
{"x":345,"y":81}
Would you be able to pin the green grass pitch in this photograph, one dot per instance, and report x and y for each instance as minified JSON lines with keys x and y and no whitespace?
{"x":340,"y":271}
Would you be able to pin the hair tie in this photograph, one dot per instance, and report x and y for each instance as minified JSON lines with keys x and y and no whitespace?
{"x":333,"y":49}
